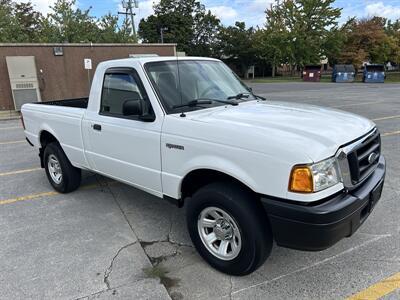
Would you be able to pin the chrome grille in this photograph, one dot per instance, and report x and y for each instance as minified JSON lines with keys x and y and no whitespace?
{"x":359,"y":159}
{"x":364,"y":158}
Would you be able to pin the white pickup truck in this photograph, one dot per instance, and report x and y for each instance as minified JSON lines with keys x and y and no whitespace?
{"x":248,"y":171}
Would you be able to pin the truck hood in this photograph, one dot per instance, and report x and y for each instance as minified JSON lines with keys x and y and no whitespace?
{"x":316,"y":130}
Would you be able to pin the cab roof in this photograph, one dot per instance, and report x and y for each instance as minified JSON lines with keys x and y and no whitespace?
{"x":146,"y":59}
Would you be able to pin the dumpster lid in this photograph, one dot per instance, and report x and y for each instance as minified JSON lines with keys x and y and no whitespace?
{"x":344,"y":68}
{"x":375,"y":68}
{"x":340,"y":68}
{"x":312,"y":67}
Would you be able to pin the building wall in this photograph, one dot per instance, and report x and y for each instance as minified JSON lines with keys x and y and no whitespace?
{"x":65,"y":76}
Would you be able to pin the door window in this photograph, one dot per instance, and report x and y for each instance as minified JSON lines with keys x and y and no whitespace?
{"x":120,"y":87}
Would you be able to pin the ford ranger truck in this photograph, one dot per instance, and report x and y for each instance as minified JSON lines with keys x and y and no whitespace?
{"x":248,"y":171}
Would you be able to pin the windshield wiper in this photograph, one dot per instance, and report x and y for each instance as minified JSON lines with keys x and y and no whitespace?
{"x":246,"y":95}
{"x":234,"y":103}
{"x":239,"y":96}
{"x":201,"y":101}
{"x":193,"y":103}
{"x":259,"y":97}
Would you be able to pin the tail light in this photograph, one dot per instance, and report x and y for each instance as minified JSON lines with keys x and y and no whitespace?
{"x":22,"y":121}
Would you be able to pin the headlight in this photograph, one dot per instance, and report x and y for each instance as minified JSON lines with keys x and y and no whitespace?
{"x":315,"y":177}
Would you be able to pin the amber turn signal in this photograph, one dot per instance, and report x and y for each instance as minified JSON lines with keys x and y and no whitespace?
{"x":301,"y":180}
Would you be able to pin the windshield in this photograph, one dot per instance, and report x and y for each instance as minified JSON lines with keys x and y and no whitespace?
{"x":199,"y":79}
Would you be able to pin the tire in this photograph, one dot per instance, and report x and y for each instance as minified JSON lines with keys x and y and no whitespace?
{"x":245,"y":215}
{"x":70,"y":178}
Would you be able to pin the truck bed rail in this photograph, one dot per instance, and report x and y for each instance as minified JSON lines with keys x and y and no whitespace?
{"x":75,"y":102}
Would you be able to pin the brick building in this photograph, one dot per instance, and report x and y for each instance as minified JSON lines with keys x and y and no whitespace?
{"x":57,"y":71}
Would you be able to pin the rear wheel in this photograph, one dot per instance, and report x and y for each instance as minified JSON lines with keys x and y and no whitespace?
{"x":62,"y":175}
{"x":229,"y":228}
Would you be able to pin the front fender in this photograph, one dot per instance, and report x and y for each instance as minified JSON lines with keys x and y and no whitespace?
{"x":172,"y":183}
{"x":219,"y":164}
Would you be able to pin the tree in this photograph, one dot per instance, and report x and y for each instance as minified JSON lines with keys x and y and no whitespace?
{"x":333,"y":45}
{"x":393,"y":31}
{"x":185,"y":22}
{"x":6,"y":21}
{"x":108,"y":26}
{"x":149,"y":29}
{"x":272,"y":43}
{"x":19,"y":22}
{"x":236,"y":46}
{"x":73,"y":25}
{"x":302,"y":27}
{"x":28,"y":22}
{"x":205,"y":33}
{"x":367,"y":40}
{"x":110,"y":32}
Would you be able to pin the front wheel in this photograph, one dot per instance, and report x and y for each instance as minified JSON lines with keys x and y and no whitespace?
{"x":62,"y":175}
{"x":229,"y":228}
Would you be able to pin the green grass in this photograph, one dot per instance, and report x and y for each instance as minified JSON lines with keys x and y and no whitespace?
{"x":393,"y":77}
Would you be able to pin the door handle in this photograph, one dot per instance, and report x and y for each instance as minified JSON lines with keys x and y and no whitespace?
{"x":97,"y":127}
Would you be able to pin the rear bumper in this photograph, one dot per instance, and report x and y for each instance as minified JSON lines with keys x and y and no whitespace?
{"x":321,"y":226}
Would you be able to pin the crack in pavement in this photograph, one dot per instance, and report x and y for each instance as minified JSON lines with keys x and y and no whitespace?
{"x":148,"y":243}
{"x":231,"y":288}
{"x":108,"y":271}
{"x":170,"y":226}
{"x":114,"y":289}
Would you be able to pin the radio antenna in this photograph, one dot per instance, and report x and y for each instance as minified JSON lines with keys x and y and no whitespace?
{"x":182,"y":115}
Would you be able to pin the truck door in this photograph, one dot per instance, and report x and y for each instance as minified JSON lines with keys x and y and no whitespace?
{"x":120,"y":143}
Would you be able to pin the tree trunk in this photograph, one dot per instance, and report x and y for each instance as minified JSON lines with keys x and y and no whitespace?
{"x":245,"y":69}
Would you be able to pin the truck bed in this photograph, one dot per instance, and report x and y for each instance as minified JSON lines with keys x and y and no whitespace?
{"x":62,"y":118}
{"x":75,"y":102}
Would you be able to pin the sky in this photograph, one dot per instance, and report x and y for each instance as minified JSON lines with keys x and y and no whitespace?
{"x":229,"y":11}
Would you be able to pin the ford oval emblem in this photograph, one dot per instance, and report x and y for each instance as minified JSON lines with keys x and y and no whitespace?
{"x":372,"y":157}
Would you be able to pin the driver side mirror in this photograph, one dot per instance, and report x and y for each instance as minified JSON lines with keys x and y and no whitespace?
{"x":132,"y":108}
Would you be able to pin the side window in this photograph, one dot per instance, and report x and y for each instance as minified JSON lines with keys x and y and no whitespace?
{"x":119,"y":88}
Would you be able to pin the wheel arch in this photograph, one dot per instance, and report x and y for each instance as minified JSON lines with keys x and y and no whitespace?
{"x":45,"y":137}
{"x":198,"y":178}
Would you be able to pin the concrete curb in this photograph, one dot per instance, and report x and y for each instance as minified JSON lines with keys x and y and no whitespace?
{"x":6,"y":115}
{"x":9,"y":119}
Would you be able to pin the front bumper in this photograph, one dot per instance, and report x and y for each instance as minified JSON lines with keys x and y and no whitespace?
{"x":320,"y":226}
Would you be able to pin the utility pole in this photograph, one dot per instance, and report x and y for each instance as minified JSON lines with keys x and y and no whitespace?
{"x":129,"y":5}
{"x":162,"y":29}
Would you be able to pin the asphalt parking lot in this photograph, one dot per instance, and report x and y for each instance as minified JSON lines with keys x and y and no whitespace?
{"x":111,"y":241}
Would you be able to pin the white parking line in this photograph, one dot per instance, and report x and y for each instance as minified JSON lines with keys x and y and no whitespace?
{"x":9,"y":128}
{"x":358,"y":104}
{"x":19,"y":172}
{"x":386,"y":118}
{"x":12,"y":142}
{"x":391,"y":133}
